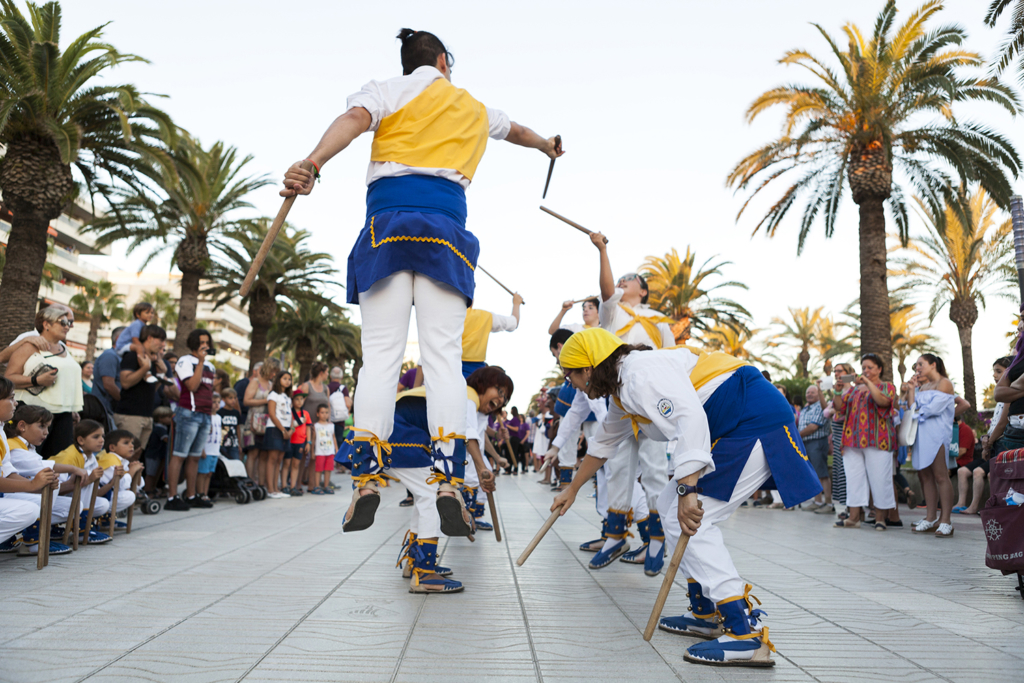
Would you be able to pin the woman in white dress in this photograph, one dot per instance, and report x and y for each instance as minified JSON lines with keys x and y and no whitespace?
{"x":932,"y":393}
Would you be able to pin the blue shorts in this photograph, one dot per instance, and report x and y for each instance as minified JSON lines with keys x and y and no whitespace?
{"x":294,"y":451}
{"x":273,"y":440}
{"x":191,"y":429}
{"x":207,"y":464}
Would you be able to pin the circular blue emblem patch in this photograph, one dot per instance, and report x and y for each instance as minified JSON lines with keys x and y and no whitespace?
{"x":665,"y":407}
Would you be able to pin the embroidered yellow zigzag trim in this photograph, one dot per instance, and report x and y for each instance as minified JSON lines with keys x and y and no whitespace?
{"x":408,"y":238}
{"x":795,"y":447}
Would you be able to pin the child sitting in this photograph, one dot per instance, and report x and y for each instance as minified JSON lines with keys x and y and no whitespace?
{"x":83,"y":454}
{"x":155,"y":454}
{"x":16,"y":515}
{"x":142,"y":312}
{"x":28,"y":429}
{"x":118,"y":458}
{"x":208,"y":463}
{"x":324,"y":449}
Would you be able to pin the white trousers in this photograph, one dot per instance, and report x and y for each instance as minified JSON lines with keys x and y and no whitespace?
{"x":868,"y":469}
{"x":649,"y":456}
{"x":16,"y":515}
{"x":440,"y":315}
{"x":602,"y":491}
{"x":125,"y":499}
{"x":706,"y":559}
{"x":640,"y":508}
{"x":472,"y":478}
{"x":59,"y":511}
{"x":567,"y":453}
{"x":102,"y":506}
{"x":425,"y":523}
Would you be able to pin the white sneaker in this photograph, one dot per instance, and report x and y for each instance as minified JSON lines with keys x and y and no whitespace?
{"x":278,"y":494}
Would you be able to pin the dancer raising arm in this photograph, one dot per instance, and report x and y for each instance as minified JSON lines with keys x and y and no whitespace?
{"x":429,"y":138}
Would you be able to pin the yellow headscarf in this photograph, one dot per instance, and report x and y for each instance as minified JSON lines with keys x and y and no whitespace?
{"x":586,"y":349}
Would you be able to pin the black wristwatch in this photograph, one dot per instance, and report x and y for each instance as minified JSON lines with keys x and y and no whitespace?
{"x":686,"y":489}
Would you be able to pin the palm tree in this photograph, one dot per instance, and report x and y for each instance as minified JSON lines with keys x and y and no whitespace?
{"x":101,"y":304}
{"x":1014,"y":42}
{"x":802,"y":332}
{"x":291,"y":271}
{"x":198,"y":197}
{"x":907,"y":337}
{"x":312,"y":329}
{"x":830,"y":342}
{"x":962,"y":264}
{"x":58,"y":109}
{"x":723,"y":338}
{"x":876,"y":114}
{"x":50,"y":274}
{"x":164,"y":305}
{"x":678,"y":290}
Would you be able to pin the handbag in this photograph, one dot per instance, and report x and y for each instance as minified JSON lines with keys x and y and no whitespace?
{"x":259,"y":423}
{"x":908,"y":427}
{"x":37,"y":389}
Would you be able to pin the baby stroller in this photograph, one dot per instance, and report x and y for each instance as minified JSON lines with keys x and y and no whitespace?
{"x":231,"y":478}
{"x":1004,"y":522}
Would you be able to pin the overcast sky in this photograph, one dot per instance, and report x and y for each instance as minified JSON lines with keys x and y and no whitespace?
{"x":648,"y":97}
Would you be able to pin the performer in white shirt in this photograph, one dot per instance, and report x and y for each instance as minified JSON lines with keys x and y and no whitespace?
{"x":624,"y":312}
{"x":733,"y":431}
{"x":429,"y":138}
{"x":590,"y":317}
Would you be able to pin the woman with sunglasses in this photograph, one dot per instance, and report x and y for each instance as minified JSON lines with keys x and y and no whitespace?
{"x":50,"y":378}
{"x":428,"y":138}
{"x":624,"y":312}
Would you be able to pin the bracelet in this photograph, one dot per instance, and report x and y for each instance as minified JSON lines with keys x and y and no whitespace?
{"x":35,"y":381}
{"x":316,"y":171}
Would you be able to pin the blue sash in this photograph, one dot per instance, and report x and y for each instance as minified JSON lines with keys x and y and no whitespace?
{"x":416,"y":223}
{"x":746,"y":409}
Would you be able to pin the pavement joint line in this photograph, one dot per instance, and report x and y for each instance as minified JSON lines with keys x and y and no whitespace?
{"x":209,"y":605}
{"x":519,"y":597}
{"x":157,"y":581}
{"x":842,"y":626}
{"x":322,"y":600}
{"x":906,"y":587}
{"x":415,"y":622}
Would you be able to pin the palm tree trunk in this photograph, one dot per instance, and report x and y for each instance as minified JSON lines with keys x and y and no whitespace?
{"x":186,"y":311}
{"x":257,"y":344}
{"x":967,"y":353}
{"x":874,"y":291}
{"x":90,"y":343}
{"x":805,"y":359}
{"x":305,"y":354}
{"x":26,"y":255}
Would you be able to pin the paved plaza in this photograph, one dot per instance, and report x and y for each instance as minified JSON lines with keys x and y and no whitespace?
{"x":273,"y":591}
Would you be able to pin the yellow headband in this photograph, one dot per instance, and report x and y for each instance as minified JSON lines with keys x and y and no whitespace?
{"x":586,"y":349}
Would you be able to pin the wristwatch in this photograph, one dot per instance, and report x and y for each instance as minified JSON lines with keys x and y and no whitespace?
{"x":686,"y":489}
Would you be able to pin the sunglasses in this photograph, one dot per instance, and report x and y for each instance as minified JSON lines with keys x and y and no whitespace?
{"x":65,"y":323}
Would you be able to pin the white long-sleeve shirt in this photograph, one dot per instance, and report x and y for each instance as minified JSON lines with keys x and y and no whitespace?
{"x":613,"y":318}
{"x":577,"y":414}
{"x":384,"y":98}
{"x":656,"y":386}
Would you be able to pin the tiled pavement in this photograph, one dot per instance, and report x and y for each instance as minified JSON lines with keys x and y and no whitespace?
{"x":273,"y":591}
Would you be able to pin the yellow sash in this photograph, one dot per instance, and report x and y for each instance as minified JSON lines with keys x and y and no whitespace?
{"x":475,"y":335}
{"x":650,"y":325}
{"x":442,"y":127}
{"x":107,"y":459}
{"x":70,"y":456}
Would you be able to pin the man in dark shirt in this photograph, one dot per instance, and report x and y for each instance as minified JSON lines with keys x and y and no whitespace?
{"x":134,"y":411}
{"x":106,"y":380}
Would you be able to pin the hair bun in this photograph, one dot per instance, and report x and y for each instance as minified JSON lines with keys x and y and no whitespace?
{"x":406,"y":33}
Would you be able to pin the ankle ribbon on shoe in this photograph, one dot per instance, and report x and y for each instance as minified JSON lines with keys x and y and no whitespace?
{"x":404,"y":553}
{"x":362,"y":480}
{"x":442,"y":478}
{"x":762,"y":634}
{"x":380,"y":445}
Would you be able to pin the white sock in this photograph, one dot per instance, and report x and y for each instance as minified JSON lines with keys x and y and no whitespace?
{"x":654,"y":549}
{"x":609,"y":543}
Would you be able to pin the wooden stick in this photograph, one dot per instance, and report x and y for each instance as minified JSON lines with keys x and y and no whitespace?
{"x":540,"y":534}
{"x":268,"y":241}
{"x":494,"y":516}
{"x":45,"y":508}
{"x":71,"y":526}
{"x":566,"y":220}
{"x":131,"y":510}
{"x":512,"y":455}
{"x":484,"y":271}
{"x":586,"y":298}
{"x":666,"y":585}
{"x":115,"y":485}
{"x":88,"y":520}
